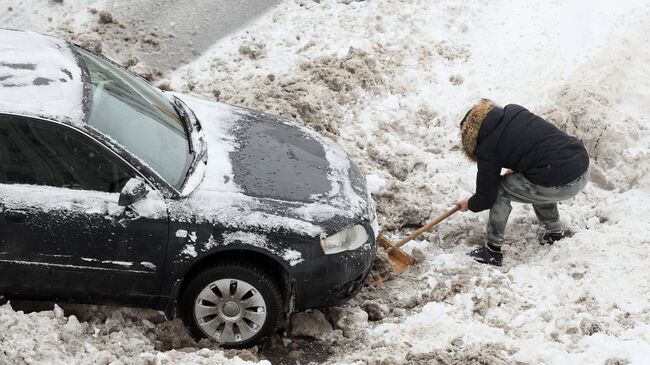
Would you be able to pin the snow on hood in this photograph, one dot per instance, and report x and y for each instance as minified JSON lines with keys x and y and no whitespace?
{"x":39,"y":76}
{"x":218,"y":122}
{"x":220,"y":198}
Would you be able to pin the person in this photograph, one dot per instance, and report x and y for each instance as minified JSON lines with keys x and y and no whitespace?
{"x":543,"y":165}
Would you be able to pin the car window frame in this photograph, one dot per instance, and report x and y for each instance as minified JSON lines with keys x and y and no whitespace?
{"x":86,"y":137}
{"x":165,"y":188}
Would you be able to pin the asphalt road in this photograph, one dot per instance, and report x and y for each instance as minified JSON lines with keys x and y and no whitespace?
{"x":196,"y":24}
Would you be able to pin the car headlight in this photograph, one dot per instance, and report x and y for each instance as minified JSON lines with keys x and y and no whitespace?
{"x":346,"y":240}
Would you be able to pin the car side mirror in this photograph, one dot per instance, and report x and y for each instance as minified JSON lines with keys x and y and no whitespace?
{"x":134,"y":191}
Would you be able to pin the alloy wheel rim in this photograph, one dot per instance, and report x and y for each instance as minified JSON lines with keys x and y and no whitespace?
{"x":230,"y":311}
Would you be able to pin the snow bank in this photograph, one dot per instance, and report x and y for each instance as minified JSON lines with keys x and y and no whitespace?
{"x":125,"y":337}
{"x":90,"y":24}
{"x":390,"y":85}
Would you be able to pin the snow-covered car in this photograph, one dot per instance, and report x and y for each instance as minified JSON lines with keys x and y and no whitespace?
{"x":112,"y":191}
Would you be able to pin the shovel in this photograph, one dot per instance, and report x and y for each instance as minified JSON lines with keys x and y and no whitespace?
{"x":401,"y":259}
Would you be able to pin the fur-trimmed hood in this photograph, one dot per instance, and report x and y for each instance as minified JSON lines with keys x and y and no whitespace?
{"x":471,"y":125}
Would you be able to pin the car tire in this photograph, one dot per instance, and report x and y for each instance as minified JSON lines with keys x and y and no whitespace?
{"x":235,"y":304}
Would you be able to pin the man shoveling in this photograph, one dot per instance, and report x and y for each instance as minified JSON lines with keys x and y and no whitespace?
{"x":545,"y":165}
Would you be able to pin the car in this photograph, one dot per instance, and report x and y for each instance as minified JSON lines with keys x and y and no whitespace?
{"x":115,"y":192}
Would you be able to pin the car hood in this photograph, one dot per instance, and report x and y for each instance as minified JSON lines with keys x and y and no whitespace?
{"x":262,"y":170}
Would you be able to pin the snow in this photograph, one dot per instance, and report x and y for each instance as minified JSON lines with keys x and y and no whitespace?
{"x":375,"y":183}
{"x":394,"y":102}
{"x":57,"y":338}
{"x":65,"y":201}
{"x":192,"y":237}
{"x":247,"y":237}
{"x":189,"y":250}
{"x":41,"y":80}
{"x":151,"y":206}
{"x":218,"y":196}
{"x":149,"y":265}
{"x":120,"y":263}
{"x":398,"y":115}
{"x":18,"y":196}
{"x":292,"y":257}
{"x":217,"y":122}
{"x":195,"y":179}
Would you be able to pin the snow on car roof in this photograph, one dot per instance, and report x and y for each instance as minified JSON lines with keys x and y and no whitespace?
{"x":39,"y":76}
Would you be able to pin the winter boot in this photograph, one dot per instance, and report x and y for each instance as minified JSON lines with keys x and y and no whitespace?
{"x":550,"y":238}
{"x":487,"y":254}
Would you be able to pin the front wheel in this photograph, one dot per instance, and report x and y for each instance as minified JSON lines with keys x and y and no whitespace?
{"x":235,"y":304}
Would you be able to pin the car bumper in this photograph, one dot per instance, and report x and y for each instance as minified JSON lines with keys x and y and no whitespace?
{"x":332,"y":279}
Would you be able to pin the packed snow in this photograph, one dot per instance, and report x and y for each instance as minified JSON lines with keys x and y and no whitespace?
{"x":389,"y":81}
{"x":43,"y":80}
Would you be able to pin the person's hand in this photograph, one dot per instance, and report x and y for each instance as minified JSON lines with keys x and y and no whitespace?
{"x":463,"y":205}
{"x":507,"y":172}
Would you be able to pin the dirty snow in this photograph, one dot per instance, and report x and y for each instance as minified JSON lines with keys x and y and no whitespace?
{"x":389,"y":80}
{"x":391,"y":85}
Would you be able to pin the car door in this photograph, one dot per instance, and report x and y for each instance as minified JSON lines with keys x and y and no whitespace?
{"x":63,"y":233}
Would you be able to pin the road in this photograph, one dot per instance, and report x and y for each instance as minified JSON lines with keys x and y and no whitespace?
{"x":196,"y":24}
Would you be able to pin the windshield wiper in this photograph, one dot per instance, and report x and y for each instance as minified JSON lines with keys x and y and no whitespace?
{"x":193,"y":127}
{"x":185,"y":117}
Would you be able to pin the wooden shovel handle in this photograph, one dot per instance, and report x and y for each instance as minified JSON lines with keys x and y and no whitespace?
{"x":427,"y":227}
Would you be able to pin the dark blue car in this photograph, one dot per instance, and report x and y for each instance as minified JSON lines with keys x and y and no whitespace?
{"x":112,"y":191}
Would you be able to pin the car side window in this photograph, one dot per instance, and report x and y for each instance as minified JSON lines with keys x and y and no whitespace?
{"x":42,"y":153}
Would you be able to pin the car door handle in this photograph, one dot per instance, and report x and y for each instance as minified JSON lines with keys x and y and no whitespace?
{"x":17,"y":216}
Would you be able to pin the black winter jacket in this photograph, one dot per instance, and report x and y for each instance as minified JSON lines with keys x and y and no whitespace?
{"x":516,"y":139}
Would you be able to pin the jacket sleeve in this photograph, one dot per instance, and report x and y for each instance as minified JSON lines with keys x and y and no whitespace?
{"x":487,"y":183}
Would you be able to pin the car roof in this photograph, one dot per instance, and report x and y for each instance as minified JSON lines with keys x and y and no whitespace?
{"x":40,"y":76}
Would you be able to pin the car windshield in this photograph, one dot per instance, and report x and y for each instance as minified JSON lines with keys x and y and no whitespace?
{"x":138,"y":117}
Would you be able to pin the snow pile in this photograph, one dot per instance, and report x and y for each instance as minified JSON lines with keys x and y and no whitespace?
{"x":126,"y":337}
{"x":390,"y":86}
{"x":90,"y":24}
{"x":599,"y":105}
{"x":331,"y":85}
{"x":390,"y":81}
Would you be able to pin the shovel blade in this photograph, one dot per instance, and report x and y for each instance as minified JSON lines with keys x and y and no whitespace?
{"x":400,"y":259}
